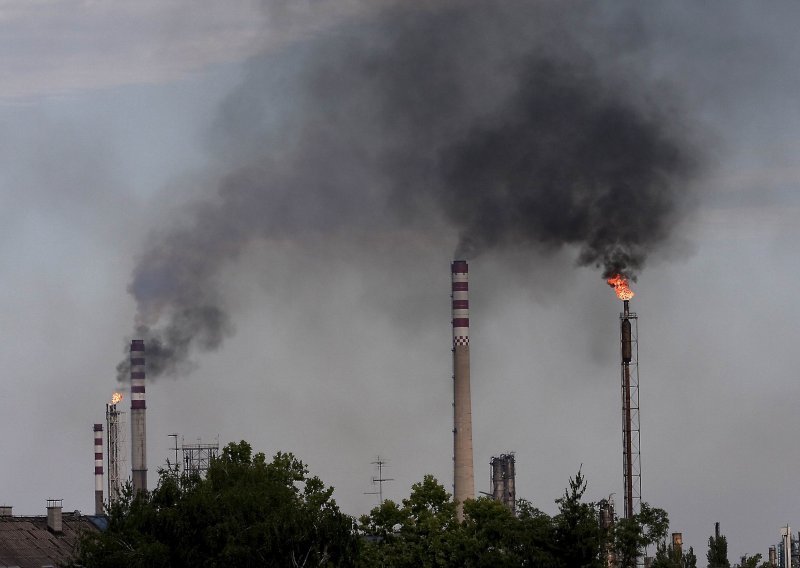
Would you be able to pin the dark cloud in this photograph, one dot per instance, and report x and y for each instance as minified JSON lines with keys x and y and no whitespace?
{"x":458,"y":114}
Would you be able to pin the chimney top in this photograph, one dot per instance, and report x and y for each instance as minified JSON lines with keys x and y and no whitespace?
{"x":54,"y":519}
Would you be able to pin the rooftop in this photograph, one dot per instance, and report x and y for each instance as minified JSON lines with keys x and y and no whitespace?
{"x":26,"y":542}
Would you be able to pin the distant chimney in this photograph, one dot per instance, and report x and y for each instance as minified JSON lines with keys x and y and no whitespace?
{"x":98,"y":469}
{"x":677,"y":543}
{"x":138,"y":424}
{"x":5,"y":510}
{"x":54,"y":515}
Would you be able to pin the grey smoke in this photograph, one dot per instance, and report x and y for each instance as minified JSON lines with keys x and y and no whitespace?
{"x":467,"y":117}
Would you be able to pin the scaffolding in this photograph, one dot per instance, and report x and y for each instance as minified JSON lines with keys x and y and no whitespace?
{"x":631,"y":455}
{"x":197,"y":457}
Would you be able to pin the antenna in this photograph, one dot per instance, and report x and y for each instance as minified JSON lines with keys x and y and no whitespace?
{"x":380,"y":480}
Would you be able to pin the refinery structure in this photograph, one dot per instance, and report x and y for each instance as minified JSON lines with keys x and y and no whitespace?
{"x":109,"y":459}
{"x":109,"y":447}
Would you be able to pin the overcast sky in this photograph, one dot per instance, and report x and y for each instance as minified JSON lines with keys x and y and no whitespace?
{"x":256,"y":145}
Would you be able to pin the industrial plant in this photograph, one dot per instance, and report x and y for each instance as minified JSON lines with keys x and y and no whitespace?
{"x":109,"y":458}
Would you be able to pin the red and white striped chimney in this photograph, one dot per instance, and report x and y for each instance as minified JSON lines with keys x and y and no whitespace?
{"x":463,"y":472}
{"x":98,"y":469}
{"x":138,"y":424}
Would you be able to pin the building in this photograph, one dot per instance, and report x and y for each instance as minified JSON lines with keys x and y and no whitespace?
{"x":47,"y":540}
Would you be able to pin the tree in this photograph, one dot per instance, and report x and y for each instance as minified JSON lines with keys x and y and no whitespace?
{"x":245,"y":512}
{"x":753,"y":562}
{"x":423,"y":531}
{"x":669,"y":557}
{"x":690,"y":559}
{"x":717,"y":550}
{"x":632,"y":536}
{"x":577,"y":532}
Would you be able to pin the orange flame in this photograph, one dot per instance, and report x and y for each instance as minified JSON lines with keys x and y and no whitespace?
{"x":620,"y":285}
{"x":116,"y":397}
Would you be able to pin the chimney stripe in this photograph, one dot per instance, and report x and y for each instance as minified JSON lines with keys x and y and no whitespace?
{"x":138,"y":417}
{"x":463,"y":471}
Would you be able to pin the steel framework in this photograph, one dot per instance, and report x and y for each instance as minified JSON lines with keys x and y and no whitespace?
{"x":631,"y":454}
{"x":197,"y":457}
{"x":116,"y":443}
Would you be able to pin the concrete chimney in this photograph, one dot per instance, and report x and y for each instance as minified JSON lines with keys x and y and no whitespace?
{"x":54,"y":522}
{"x":138,"y":423}
{"x":463,"y":473}
{"x":98,"y":469}
{"x":677,"y":543}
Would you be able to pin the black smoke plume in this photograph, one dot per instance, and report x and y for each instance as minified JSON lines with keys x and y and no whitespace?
{"x":501,"y":119}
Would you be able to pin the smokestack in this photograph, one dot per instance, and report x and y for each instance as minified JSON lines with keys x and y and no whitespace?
{"x":138,"y":424}
{"x":98,"y":469}
{"x":677,"y":543}
{"x":463,"y":474}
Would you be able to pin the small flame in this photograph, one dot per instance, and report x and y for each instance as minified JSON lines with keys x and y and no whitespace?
{"x":116,"y":397}
{"x":620,"y":285}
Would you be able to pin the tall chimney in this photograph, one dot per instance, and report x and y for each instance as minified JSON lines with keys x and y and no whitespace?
{"x":98,"y":469}
{"x":138,"y":424}
{"x":463,"y":475}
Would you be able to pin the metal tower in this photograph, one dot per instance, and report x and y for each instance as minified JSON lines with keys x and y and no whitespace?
{"x":116,"y":455}
{"x":631,"y":457}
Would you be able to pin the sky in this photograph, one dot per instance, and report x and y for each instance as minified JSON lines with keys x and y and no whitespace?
{"x":282,"y":185}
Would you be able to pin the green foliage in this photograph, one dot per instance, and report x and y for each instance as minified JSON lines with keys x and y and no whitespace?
{"x":423,"y":531}
{"x":717,"y":554}
{"x":249,"y":512}
{"x":669,"y":557}
{"x":245,"y":512}
{"x":632,"y":536}
{"x":753,"y":562}
{"x":578,"y":537}
{"x":690,"y":559}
